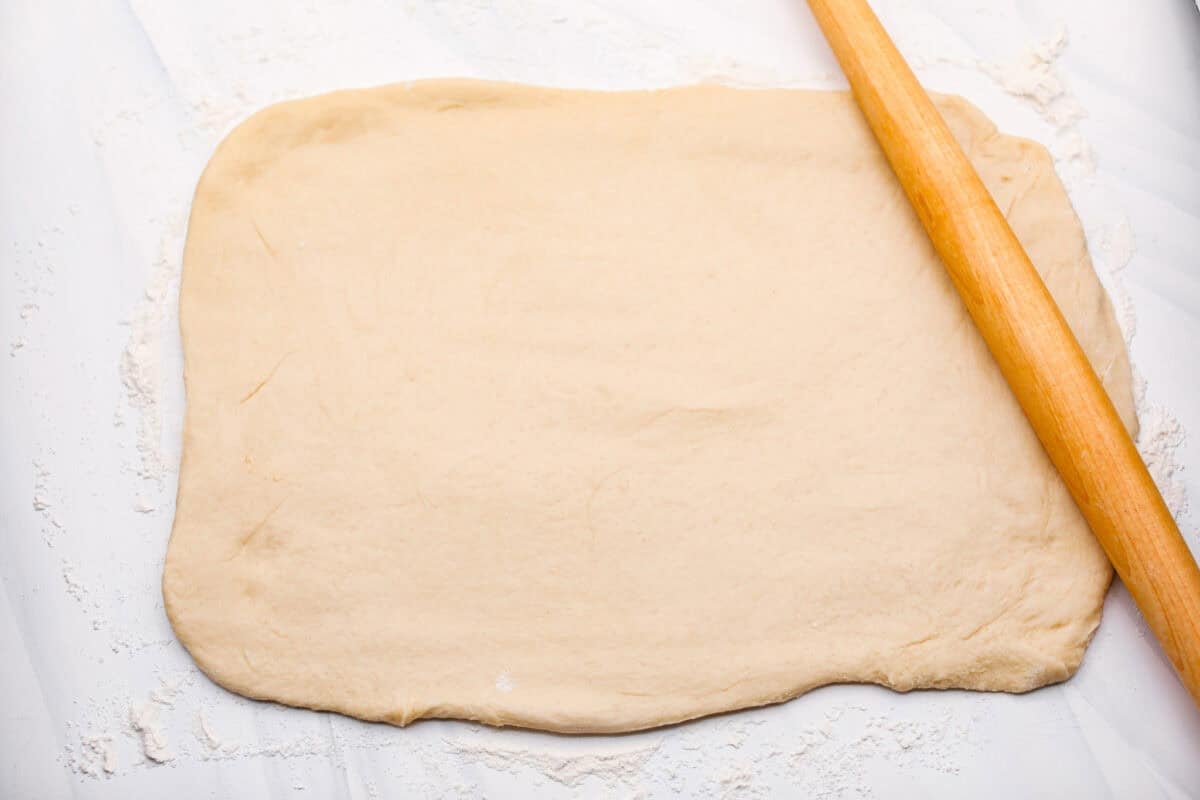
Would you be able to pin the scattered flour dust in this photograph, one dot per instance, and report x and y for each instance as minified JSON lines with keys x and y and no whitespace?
{"x":214,"y":744}
{"x":833,"y":759}
{"x":143,"y":720}
{"x":168,"y":690}
{"x":1116,"y":251}
{"x":141,"y":362}
{"x":842,"y":754}
{"x":1159,"y":439}
{"x":75,"y":588}
{"x":205,"y":733}
{"x":43,"y":503}
{"x":1034,"y":76}
{"x":216,"y":747}
{"x":1117,"y":244}
{"x":41,"y":475}
{"x":36,"y":258}
{"x":613,"y":766}
{"x":97,"y":757}
{"x":737,"y":781}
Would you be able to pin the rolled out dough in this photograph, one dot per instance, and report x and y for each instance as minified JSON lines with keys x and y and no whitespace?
{"x":598,"y":411}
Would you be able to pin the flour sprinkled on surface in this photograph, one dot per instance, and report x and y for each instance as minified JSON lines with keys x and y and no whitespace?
{"x":1034,"y":76}
{"x":613,"y":766}
{"x":141,"y":363}
{"x":143,"y":720}
{"x":272,"y":57}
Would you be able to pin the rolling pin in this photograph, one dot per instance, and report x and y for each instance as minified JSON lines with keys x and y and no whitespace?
{"x":1026,"y":334}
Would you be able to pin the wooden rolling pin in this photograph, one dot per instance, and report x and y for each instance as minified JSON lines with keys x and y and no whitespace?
{"x":1026,"y":333}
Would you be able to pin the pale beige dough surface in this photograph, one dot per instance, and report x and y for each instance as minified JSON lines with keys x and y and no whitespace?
{"x":594,"y":412}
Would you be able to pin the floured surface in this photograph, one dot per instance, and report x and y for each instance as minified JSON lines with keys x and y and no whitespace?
{"x":594,"y":412}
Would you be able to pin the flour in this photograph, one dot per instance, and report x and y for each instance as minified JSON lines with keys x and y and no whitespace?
{"x":97,"y":756}
{"x":216,"y":747}
{"x":37,"y":258}
{"x":1034,"y":76}
{"x":144,"y":717}
{"x":1117,"y":245}
{"x":143,"y":721}
{"x":1073,"y":148}
{"x":738,"y":732}
{"x":293,"y":748}
{"x":1159,"y":441}
{"x":209,"y":738}
{"x":747,"y":756}
{"x":75,"y":588}
{"x":737,"y":781}
{"x":41,"y":491}
{"x":168,"y":690}
{"x":834,"y":761}
{"x":141,"y":363}
{"x":614,"y":767}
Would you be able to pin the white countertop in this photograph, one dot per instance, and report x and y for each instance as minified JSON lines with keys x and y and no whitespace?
{"x":111,"y":111}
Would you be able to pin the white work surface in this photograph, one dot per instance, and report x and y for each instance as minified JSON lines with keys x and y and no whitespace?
{"x":111,"y":109}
